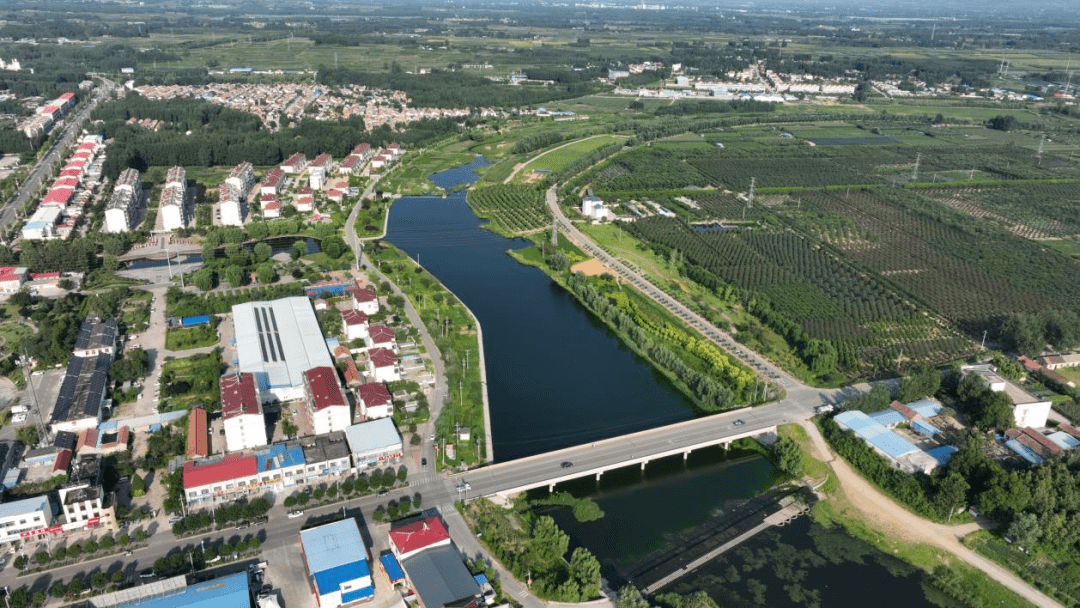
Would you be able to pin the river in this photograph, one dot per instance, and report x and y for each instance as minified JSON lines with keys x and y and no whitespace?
{"x":557,"y":377}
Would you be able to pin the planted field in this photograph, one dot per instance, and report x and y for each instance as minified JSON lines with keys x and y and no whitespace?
{"x":830,"y":300}
{"x":192,"y":381}
{"x":561,"y":157}
{"x":1033,"y":211}
{"x":514,"y":208}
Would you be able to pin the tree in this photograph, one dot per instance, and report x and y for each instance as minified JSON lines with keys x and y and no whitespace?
{"x":788,"y":455}
{"x":1003,"y":123}
{"x":138,"y":486}
{"x":630,"y":597}
{"x":28,"y":436}
{"x":547,"y":546}
{"x":923,"y":383}
{"x":402,"y":473}
{"x":265,"y":273}
{"x":140,"y":535}
{"x":1023,"y":333}
{"x":299,"y":250}
{"x":98,"y":580}
{"x":107,"y":542}
{"x":234,"y":275}
{"x":585,"y":570}
{"x":1024,"y":529}
{"x":952,"y":492}
{"x":203,"y":279}
{"x":263,"y":251}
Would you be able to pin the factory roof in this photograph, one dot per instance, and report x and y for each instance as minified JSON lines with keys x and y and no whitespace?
{"x":278,"y":341}
{"x":876,"y":434}
{"x":370,"y":436}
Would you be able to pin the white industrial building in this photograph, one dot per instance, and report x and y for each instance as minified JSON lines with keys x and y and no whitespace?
{"x":42,"y":223}
{"x":277,"y":342}
{"x":593,"y":207}
{"x":374,"y":444}
{"x":173,"y":206}
{"x":336,"y":561}
{"x":242,"y":413}
{"x":122,"y":208}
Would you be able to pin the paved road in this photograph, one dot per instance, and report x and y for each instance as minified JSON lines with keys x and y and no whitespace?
{"x":43,"y":168}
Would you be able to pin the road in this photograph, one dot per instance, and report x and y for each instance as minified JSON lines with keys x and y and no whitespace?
{"x":44,"y":167}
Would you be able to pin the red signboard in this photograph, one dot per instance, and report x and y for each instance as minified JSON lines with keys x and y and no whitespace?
{"x":40,"y":531}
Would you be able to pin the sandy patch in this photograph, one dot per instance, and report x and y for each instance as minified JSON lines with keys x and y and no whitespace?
{"x":592,"y":268}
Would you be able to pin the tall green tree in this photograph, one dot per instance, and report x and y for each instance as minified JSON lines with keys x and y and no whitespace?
{"x":585,"y":570}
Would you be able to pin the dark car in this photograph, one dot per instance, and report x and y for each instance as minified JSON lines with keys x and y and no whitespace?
{"x":740,"y":422}
{"x":423,"y":462}
{"x":567,"y":464}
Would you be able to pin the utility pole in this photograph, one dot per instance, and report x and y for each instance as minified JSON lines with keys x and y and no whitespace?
{"x":1042,"y":142}
{"x":33,"y":397}
{"x":983,"y":343}
{"x":915,"y":173}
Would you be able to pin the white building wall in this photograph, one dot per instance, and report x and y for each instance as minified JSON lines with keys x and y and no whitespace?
{"x":12,"y":525}
{"x":379,"y":411}
{"x":385,"y":374}
{"x":116,"y":220}
{"x":244,"y":432}
{"x":331,"y":419}
{"x":232,"y":213}
{"x":356,"y":332}
{"x":1031,"y":414}
{"x":172,"y":217}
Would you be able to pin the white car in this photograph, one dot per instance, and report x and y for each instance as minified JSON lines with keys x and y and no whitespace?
{"x":295,"y":514}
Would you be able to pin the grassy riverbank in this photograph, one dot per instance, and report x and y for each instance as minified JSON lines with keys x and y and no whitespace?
{"x":455,"y":334}
{"x":708,"y":376}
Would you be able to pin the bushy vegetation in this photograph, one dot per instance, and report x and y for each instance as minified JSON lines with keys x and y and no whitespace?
{"x":530,"y":545}
{"x":513,"y":207}
{"x":186,"y":304}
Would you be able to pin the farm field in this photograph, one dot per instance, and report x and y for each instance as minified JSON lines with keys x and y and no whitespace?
{"x":514,"y":208}
{"x":192,"y":381}
{"x":560,"y":157}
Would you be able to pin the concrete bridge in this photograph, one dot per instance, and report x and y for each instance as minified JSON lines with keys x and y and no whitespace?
{"x":502,"y":481}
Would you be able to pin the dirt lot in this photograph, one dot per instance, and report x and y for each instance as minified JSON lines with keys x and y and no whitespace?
{"x":592,"y":268}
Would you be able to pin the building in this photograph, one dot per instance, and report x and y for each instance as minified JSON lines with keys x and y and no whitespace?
{"x":272,"y":182}
{"x":12,"y":278}
{"x":440,"y":578}
{"x":1054,"y":362}
{"x":325,"y":456}
{"x":294,"y":164}
{"x":173,"y":204}
{"x":375,"y":401}
{"x":336,"y":561}
{"x":25,"y":518}
{"x":271,"y":469}
{"x":382,"y":365}
{"x":381,"y":336}
{"x":83,"y":501}
{"x":44,"y":464}
{"x":1028,"y":411}
{"x":873,"y":429}
{"x":316,"y":178}
{"x":277,"y":342}
{"x":95,"y":337}
{"x":242,"y":178}
{"x":375,"y":443}
{"x":97,"y":441}
{"x":198,"y":439}
{"x":328,"y":406}
{"x":41,"y":225}
{"x":409,"y":540}
{"x":122,"y":208}
{"x":82,"y":394}
{"x":231,"y":207}
{"x":242,"y":413}
{"x":365,"y":300}
{"x":593,"y":207}
{"x":324,"y":162}
{"x":355,"y":323}
{"x":230,"y":591}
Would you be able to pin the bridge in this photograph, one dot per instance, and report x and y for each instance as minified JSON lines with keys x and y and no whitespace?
{"x":502,"y":481}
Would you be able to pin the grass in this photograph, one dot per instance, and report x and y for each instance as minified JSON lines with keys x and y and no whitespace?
{"x":186,"y":338}
{"x":192,"y":381}
{"x":561,"y":156}
{"x":813,"y":470}
{"x":1056,"y":578}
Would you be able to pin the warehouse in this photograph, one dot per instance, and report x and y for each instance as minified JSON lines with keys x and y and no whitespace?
{"x":375,"y":443}
{"x":277,"y":342}
{"x":337,"y":563}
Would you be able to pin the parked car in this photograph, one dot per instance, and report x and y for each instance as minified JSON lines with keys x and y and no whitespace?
{"x":295,"y":514}
{"x":423,"y":462}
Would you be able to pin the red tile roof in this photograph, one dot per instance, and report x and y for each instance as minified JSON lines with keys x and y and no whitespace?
{"x":374,"y":394}
{"x":304,"y":191}
{"x":382,"y":357}
{"x":233,"y":466}
{"x":198,"y":439}
{"x":364,"y":294}
{"x":381,"y":334}
{"x":89,"y":437}
{"x":424,"y":533}
{"x":907,"y":412}
{"x":323,"y":387}
{"x":1043,"y":440}
{"x":352,"y":375}
{"x":50,"y":109}
{"x":361,"y":149}
{"x":353,"y":317}
{"x":67,"y":96}
{"x":57,"y":196}
{"x":71,"y":172}
{"x":7,"y":273}
{"x":342,"y":352}
{"x":44,"y":275}
{"x":1070,"y":430}
{"x":63,"y":459}
{"x":238,"y":395}
{"x":86,"y":146}
{"x":69,"y":181}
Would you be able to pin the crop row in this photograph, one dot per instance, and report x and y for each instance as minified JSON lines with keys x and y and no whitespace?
{"x":516,"y":208}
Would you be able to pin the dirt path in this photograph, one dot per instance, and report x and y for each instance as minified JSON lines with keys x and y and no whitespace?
{"x":518,"y":167}
{"x":883,"y":514}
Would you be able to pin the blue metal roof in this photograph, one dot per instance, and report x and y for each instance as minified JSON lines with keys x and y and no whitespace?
{"x":1024,"y":451}
{"x":392,"y":567}
{"x":362,"y":593}
{"x":943,"y":454}
{"x":1065,"y":440}
{"x":888,"y":417}
{"x":279,"y":456}
{"x":24,"y":506}
{"x":333,"y":545}
{"x":481,"y":579}
{"x":226,"y":592}
{"x":927,"y":408}
{"x":877,"y":435}
{"x":329,"y":581}
{"x":925,"y":428}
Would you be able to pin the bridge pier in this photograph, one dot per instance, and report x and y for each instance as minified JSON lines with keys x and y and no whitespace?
{"x":551,"y":488}
{"x":598,"y":473}
{"x":685,"y":455}
{"x":643,"y":463}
